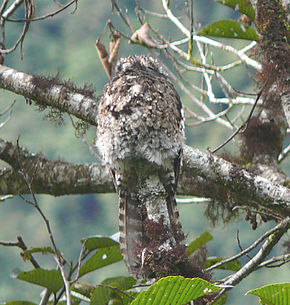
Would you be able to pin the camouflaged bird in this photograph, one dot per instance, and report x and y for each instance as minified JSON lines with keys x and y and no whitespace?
{"x":140,"y":136}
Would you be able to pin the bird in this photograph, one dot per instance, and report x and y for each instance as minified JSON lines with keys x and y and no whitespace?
{"x":140,"y":137}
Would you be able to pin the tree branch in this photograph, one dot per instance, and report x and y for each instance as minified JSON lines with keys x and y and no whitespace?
{"x":254,"y":263}
{"x":52,"y":177}
{"x":203,"y":175}
{"x":50,"y":92}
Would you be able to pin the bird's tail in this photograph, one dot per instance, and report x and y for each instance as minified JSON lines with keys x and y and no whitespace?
{"x":150,"y":231}
{"x":131,"y":233}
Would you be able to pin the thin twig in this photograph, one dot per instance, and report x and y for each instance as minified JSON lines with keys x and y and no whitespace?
{"x":20,"y":244}
{"x":247,"y":250}
{"x":285,"y":152}
{"x":10,"y":109}
{"x":240,"y":246}
{"x":253,"y":264}
{"x":283,"y":259}
{"x":66,"y":282}
{"x":44,"y":16}
{"x":209,"y":41}
{"x":12,"y":9}
{"x":58,"y":257}
{"x":115,"y":5}
{"x":243,"y":126}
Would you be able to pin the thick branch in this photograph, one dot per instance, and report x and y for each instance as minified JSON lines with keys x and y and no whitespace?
{"x":202,"y":175}
{"x":50,"y":177}
{"x":49,"y":92}
{"x":236,"y":179}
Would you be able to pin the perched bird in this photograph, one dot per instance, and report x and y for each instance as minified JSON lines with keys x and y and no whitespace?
{"x":140,"y":136}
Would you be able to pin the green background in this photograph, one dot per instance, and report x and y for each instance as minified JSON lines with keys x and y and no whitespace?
{"x":65,"y":44}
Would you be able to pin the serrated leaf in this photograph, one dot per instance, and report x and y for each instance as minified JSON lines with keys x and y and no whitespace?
{"x":198,"y":242}
{"x":234,"y":265}
{"x":103,"y":257}
{"x":97,"y":242}
{"x":50,"y":279}
{"x":274,"y":294}
{"x":175,"y":290}
{"x":18,"y":303}
{"x":229,"y":29}
{"x":242,"y":6}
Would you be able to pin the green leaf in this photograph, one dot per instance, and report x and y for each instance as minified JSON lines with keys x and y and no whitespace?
{"x":83,"y":288}
{"x":122,"y":282}
{"x":234,"y":265}
{"x":175,"y":290}
{"x":50,"y":279}
{"x":26,"y":254}
{"x":229,"y":29}
{"x":198,"y":242}
{"x":18,"y":303}
{"x":242,"y":6}
{"x":97,"y":242}
{"x":103,"y":257}
{"x":273,"y":294}
{"x":102,"y":294}
{"x":222,"y":300}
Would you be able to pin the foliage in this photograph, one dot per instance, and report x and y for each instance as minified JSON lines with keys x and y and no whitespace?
{"x":277,"y":294}
{"x":50,"y":279}
{"x":98,"y":252}
{"x":126,"y":290}
{"x":229,"y":29}
{"x":242,"y":6}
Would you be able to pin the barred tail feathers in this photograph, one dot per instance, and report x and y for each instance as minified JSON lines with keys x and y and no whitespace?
{"x":131,"y":232}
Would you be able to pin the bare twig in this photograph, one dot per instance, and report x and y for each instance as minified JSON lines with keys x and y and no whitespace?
{"x":193,"y":200}
{"x":20,"y":243}
{"x":240,"y":246}
{"x":282,"y":259}
{"x":247,"y":250}
{"x":58,"y":257}
{"x":284,"y":154}
{"x":253,"y":264}
{"x":52,"y":14}
{"x":209,"y":41}
{"x":115,"y":5}
{"x":46,"y":293}
{"x":10,"y":109}
{"x":65,"y":280}
{"x":12,"y":9}
{"x":243,"y":126}
{"x":82,"y":255}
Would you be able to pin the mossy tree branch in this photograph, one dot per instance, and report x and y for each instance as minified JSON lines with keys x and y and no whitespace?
{"x":203,"y":174}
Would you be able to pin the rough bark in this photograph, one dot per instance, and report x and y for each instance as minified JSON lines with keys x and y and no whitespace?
{"x":263,"y":139}
{"x":203,"y":174}
{"x":49,"y":177}
{"x":50,"y":92}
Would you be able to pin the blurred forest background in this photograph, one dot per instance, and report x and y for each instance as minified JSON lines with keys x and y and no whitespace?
{"x":65,"y":44}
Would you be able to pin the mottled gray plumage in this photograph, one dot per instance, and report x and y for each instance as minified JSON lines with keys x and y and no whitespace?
{"x":140,"y":136}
